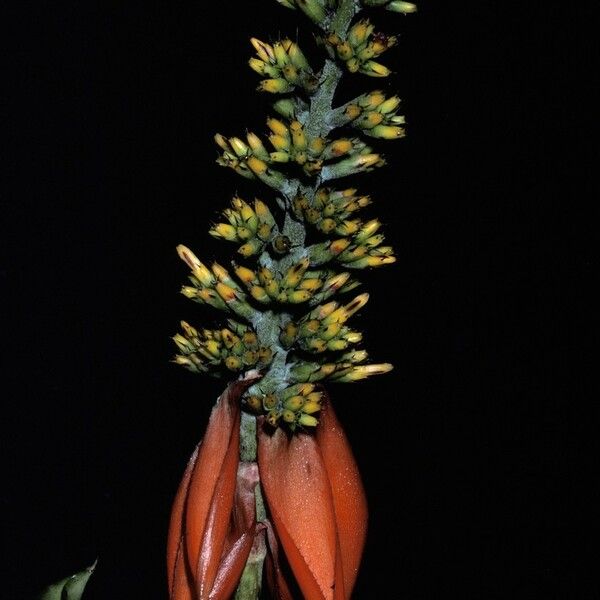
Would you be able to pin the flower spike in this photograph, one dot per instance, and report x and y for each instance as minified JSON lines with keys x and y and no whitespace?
{"x":274,"y":483}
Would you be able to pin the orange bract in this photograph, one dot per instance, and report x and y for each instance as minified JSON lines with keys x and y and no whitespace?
{"x":210,"y":536}
{"x":317,"y":504}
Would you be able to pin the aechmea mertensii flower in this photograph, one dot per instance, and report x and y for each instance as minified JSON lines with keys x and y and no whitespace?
{"x":272,"y":498}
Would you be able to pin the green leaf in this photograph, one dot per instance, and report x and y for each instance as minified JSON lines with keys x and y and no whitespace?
{"x":70,"y":588}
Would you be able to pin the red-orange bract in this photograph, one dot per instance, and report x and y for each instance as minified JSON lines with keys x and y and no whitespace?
{"x":316,"y":506}
{"x":213,"y":521}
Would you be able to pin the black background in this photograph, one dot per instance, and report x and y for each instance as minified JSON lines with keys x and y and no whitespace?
{"x":111,"y":112}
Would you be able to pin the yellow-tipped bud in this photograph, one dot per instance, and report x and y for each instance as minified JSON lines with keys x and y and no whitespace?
{"x":264,"y":231}
{"x":369,"y":120}
{"x":316,"y":146}
{"x":259,"y":293}
{"x":250,"y":339}
{"x":281,"y":57}
{"x":200,"y":271}
{"x":211,"y":297}
{"x":338,"y":246}
{"x":262,"y":210}
{"x":316,"y":345}
{"x":188,"y":329}
{"x":344,"y":50}
{"x":356,"y":304}
{"x":314,"y":396}
{"x":402,"y":7}
{"x":348,"y":227}
{"x":277,"y":127}
{"x":353,"y":337}
{"x":270,"y":401}
{"x":250,"y":357}
{"x":257,"y":146}
{"x":257,"y":65}
{"x":297,"y":56}
{"x":225,"y":231}
{"x":340,"y":147}
{"x":294,"y":273}
{"x":256,"y":165}
{"x":298,"y":136}
{"x":229,"y":338}
{"x":308,"y":420}
{"x":310,"y":285}
{"x":213,"y":347}
{"x":301,"y":159}
{"x":225,"y":291}
{"x":331,"y":331}
{"x":387,"y":132}
{"x":222,"y":142}
{"x":353,"y":65}
{"x":352,"y":111}
{"x":250,"y":248}
{"x":372,"y":100}
{"x":239,"y":147}
{"x":364,"y":371}
{"x":311,"y":326}
{"x":265,"y":274}
{"x":189,"y":292}
{"x":298,"y":296}
{"x":372,"y":261}
{"x":291,"y":74}
{"x":368,"y":229}
{"x":272,"y":288}
{"x":264,"y":51}
{"x":374,"y":69}
{"x":273,"y":417}
{"x":265,"y":355}
{"x":277,"y":85}
{"x":280,"y":142}
{"x":389,"y":105}
{"x":366,"y":161}
{"x":220,"y":272}
{"x":183,"y":344}
{"x":359,"y":32}
{"x":343,"y":313}
{"x":294,"y":403}
{"x":243,"y":233}
{"x":311,"y":407}
{"x":337,"y":281}
{"x":254,"y":403}
{"x":288,"y":416}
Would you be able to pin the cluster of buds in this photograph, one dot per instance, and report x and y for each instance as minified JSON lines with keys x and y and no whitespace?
{"x":360,"y":47}
{"x":284,"y":67}
{"x":375,"y":115}
{"x":295,"y":286}
{"x":323,"y":328}
{"x":330,"y":209}
{"x":295,"y":406}
{"x":252,"y":227}
{"x":291,"y":144}
{"x":232,"y":349}
{"x":361,"y":250}
{"x":213,"y":286}
{"x":347,"y":368}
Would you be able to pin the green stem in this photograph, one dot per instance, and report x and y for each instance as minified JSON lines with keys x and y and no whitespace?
{"x":268,"y":324}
